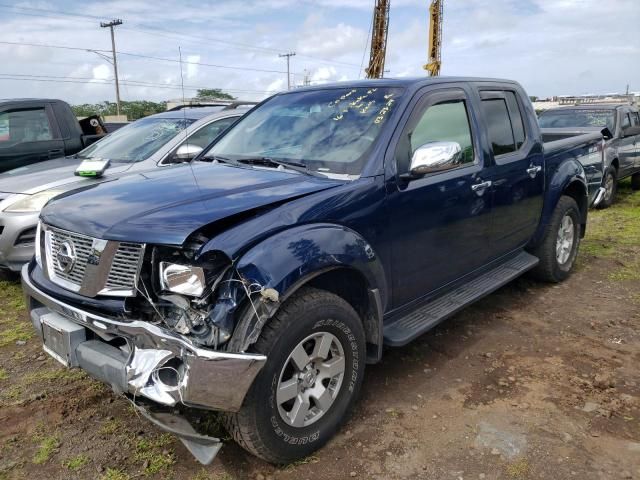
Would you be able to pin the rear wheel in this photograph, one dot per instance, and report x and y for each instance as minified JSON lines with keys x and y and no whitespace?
{"x":610,"y":187}
{"x":635,"y":181}
{"x":559,"y":248}
{"x":315,"y":348}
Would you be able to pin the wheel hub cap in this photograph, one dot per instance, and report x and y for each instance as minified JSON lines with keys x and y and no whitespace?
{"x":310,"y":379}
{"x":564,"y":242}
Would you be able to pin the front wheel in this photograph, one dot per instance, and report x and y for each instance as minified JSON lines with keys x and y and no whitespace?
{"x":610,"y":188}
{"x":315,"y":348}
{"x":559,"y":247}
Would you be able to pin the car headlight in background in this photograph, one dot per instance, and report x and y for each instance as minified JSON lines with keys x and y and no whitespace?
{"x":32,"y":203}
{"x":182,"y":279}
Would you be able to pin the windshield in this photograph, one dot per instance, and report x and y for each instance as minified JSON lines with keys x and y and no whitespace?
{"x":137,"y":141}
{"x":329,"y":131}
{"x":577,"y":118}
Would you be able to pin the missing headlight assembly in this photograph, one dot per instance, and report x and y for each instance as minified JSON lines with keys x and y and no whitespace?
{"x":203,"y":297}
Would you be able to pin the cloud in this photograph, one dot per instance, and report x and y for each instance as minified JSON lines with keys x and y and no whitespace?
{"x":544,"y":44}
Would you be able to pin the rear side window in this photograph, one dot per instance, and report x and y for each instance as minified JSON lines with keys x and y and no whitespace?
{"x":20,"y":126}
{"x":626,"y":121}
{"x":516,"y":118}
{"x":501,"y":136}
{"x":635,"y":119}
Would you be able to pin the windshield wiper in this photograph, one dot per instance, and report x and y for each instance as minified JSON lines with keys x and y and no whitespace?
{"x":216,"y":158}
{"x":268,"y":161}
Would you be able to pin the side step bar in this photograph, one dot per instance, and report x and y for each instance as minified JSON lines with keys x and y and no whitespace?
{"x":405,"y":329}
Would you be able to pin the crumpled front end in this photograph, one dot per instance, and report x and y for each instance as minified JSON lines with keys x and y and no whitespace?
{"x":143,"y":360}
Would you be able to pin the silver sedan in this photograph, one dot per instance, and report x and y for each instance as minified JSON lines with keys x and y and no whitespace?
{"x":165,"y":140}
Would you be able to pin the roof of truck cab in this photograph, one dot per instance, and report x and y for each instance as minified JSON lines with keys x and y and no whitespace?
{"x":17,"y":100}
{"x":401,"y":82}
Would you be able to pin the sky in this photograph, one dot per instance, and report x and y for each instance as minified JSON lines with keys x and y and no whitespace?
{"x":552,"y":47}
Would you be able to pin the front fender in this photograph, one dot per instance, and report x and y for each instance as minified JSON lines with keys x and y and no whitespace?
{"x":286,"y":259}
{"x":567,"y":174}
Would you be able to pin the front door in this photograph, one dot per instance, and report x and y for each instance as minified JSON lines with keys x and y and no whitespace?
{"x":439,"y":221}
{"x":626,"y":145}
{"x":517,"y":172}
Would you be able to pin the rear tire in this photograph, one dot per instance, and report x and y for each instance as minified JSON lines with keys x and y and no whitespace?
{"x":611,"y":187}
{"x":313,"y":324}
{"x":635,"y":181}
{"x":559,"y":247}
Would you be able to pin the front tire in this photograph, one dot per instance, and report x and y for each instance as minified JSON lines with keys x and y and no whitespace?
{"x":610,"y":188}
{"x":315,"y":348}
{"x":559,"y":247}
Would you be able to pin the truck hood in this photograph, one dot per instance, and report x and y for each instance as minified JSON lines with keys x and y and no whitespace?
{"x":166,"y":206}
{"x":50,"y":174}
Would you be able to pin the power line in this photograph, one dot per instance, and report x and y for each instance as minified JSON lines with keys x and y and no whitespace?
{"x":107,"y":81}
{"x":58,"y":14}
{"x":149,"y":57}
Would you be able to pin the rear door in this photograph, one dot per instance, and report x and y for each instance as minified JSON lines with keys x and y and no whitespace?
{"x":438,"y":223}
{"x":635,"y":121}
{"x":28,"y":135}
{"x":517,"y":171}
{"x":626,"y":145}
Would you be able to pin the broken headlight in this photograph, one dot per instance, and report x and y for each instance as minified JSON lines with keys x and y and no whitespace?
{"x":182,"y":279}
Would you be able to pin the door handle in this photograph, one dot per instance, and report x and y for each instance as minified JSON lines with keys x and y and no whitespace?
{"x":479,"y":188}
{"x":533,"y":171}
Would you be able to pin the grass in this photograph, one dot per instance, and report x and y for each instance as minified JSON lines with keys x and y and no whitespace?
{"x":114,"y":474}
{"x":3,"y":374}
{"x":47,"y":447}
{"x":615,"y":233}
{"x":204,"y":475}
{"x":76,"y":463}
{"x":17,"y":330}
{"x":47,"y":376}
{"x":111,"y":426}
{"x":519,"y":469}
{"x":154,"y":454}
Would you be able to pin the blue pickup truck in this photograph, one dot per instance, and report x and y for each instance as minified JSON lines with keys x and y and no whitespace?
{"x":329,"y":222}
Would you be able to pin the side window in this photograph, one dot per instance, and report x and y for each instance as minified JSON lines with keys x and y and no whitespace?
{"x":20,"y":126}
{"x":444,"y":122}
{"x":635,"y":119}
{"x":500,"y":132}
{"x":516,"y":118}
{"x":209,"y":133}
{"x":626,"y":121}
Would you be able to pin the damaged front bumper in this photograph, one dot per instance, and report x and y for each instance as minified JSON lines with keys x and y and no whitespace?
{"x":141,"y":359}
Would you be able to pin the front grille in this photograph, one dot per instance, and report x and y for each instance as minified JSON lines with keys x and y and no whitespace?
{"x":82,"y":246}
{"x":124,"y":269}
{"x":92,"y":258}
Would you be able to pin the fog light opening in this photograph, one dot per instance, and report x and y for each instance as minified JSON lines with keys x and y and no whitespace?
{"x":170,"y":373}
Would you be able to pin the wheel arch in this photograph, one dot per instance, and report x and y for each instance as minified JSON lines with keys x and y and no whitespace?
{"x":330,"y":257}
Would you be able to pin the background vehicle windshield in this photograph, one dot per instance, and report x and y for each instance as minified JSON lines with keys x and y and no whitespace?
{"x":137,"y":141}
{"x":578,"y":118}
{"x":328,"y":130}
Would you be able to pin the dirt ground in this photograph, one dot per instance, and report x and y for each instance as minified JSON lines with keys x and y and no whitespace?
{"x":535,"y":382}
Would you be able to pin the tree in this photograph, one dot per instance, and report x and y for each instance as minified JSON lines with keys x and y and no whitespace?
{"x":133,"y":110}
{"x":213,"y":94}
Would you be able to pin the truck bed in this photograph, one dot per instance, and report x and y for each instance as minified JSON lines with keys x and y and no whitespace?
{"x":586,"y":145}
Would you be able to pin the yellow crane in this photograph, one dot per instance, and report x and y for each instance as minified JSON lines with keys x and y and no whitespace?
{"x":379,"y":33}
{"x":435,"y":38}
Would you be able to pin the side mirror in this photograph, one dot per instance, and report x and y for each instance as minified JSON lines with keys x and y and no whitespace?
{"x":435,"y":157}
{"x":631,"y":131}
{"x":187,"y":152}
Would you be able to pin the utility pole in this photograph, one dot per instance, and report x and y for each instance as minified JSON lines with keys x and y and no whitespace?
{"x":288,"y":55}
{"x":111,"y":24}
